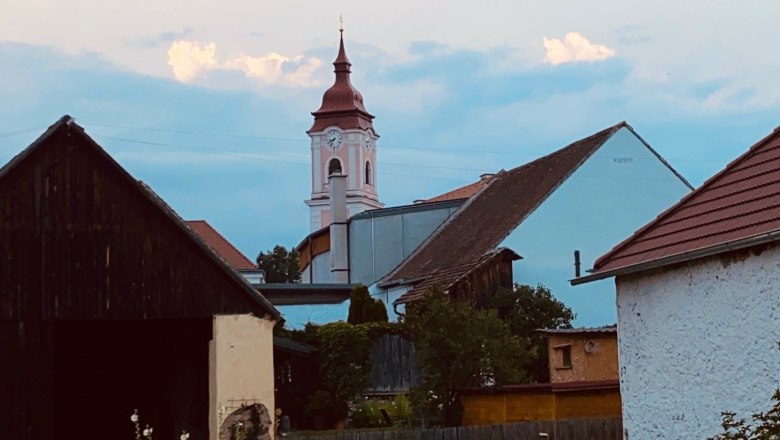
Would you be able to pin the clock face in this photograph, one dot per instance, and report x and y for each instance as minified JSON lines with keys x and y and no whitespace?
{"x":333,"y":138}
{"x":368,"y":142}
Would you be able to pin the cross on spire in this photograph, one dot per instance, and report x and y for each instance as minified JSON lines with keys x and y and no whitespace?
{"x":341,"y":23}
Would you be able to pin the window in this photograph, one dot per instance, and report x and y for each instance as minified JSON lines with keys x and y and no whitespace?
{"x":368,"y":173}
{"x":334,"y":166}
{"x":566,"y":356}
{"x":562,"y":356}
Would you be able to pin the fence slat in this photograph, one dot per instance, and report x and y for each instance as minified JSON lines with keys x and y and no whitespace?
{"x":610,"y":428}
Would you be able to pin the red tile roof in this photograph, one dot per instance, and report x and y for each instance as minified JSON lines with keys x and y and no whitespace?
{"x":739,"y":203}
{"x":485,"y":220}
{"x":232,"y":256}
{"x":463,"y":192}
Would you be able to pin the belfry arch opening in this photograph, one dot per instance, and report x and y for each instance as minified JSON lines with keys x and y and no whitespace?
{"x":334,"y":167}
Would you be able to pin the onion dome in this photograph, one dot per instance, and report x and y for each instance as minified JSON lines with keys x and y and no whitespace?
{"x":342,"y":103}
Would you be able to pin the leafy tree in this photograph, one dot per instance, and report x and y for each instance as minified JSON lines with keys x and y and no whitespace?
{"x":345,"y":360}
{"x":363,"y":308}
{"x":280,"y":265}
{"x":525,"y":309}
{"x":460,"y":347}
{"x":767,"y":428}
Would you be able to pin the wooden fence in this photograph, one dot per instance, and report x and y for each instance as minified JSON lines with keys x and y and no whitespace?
{"x":393,"y":366}
{"x":572,"y":429}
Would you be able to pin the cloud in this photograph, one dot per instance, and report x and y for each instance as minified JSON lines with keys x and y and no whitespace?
{"x":574,"y":48}
{"x":189,"y":59}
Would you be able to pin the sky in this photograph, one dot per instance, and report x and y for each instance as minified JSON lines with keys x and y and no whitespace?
{"x":209,"y":102}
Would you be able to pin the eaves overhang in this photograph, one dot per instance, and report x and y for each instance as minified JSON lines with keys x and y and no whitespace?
{"x":745,"y":243}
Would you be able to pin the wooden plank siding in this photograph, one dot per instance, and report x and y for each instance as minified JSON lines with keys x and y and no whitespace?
{"x":485,"y":408}
{"x":610,"y":428}
{"x":80,"y":239}
{"x":393,"y":366}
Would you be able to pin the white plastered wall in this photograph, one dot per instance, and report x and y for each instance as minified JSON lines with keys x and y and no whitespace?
{"x":696,"y":341}
{"x":241,"y":366}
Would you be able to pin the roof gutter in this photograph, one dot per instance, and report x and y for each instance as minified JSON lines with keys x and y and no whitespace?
{"x":679,"y":258}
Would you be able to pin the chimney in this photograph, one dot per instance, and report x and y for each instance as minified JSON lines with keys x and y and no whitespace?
{"x":339,"y":263}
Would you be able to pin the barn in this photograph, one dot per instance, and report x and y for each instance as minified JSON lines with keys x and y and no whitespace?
{"x":109,"y":303}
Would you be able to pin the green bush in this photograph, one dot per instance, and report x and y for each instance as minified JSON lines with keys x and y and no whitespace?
{"x":368,"y":415}
{"x":401,"y":409}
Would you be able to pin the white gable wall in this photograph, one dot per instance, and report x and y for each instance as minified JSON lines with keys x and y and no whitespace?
{"x":622,"y":186}
{"x":698,"y":340}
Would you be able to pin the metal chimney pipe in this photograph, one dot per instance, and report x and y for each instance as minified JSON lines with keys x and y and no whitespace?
{"x":576,"y":264}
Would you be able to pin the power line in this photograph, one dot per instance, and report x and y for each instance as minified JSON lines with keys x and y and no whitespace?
{"x":21,"y":131}
{"x":447,"y":150}
{"x":258,"y":157}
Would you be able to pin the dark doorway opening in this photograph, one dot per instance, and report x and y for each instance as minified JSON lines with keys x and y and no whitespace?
{"x":104,"y":369}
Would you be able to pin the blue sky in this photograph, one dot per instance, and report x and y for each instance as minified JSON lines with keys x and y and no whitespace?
{"x":209,"y":104}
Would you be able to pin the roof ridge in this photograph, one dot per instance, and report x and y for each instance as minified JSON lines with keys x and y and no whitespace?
{"x":717,"y":208}
{"x":601,"y":261}
{"x":387,"y":278}
{"x":152,"y":198}
{"x":707,"y":223}
{"x":602,"y":135}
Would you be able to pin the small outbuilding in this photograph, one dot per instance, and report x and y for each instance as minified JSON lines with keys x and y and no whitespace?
{"x":698,"y":303}
{"x":109,"y":303}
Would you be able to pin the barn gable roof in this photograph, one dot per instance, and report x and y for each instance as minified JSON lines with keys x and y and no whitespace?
{"x":736,"y":208}
{"x":243,"y":295}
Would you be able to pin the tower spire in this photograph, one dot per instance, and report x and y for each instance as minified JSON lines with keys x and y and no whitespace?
{"x":342,"y":63}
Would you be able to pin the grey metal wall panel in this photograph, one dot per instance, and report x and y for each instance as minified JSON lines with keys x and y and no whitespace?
{"x":388,"y":239}
{"x":418,"y":226}
{"x":361,"y":252}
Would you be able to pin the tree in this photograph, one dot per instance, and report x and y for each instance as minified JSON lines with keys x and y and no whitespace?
{"x":768,"y":427}
{"x":460,"y":347}
{"x":525,"y":309}
{"x":280,"y":265}
{"x":363,"y":308}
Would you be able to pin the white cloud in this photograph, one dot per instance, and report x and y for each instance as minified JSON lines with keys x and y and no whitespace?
{"x":189,"y":59}
{"x":274,"y":67}
{"x":574,"y":48}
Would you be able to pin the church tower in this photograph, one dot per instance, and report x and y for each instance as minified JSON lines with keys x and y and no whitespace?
{"x":343,"y":142}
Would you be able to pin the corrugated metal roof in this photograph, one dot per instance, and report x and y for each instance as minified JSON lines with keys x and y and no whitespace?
{"x":606,"y":329}
{"x":740,"y":202}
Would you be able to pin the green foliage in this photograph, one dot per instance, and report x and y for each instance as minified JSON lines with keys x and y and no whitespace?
{"x":363,"y":308}
{"x":321,"y":403}
{"x":401,"y":409}
{"x":344,"y":359}
{"x":767,"y":428}
{"x":280,"y":265}
{"x":460,"y":347}
{"x":368,"y":413}
{"x":526,"y":309}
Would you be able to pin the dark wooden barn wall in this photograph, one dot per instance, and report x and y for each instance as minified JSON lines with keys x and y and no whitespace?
{"x":79,"y":241}
{"x":26,"y":380}
{"x":481,"y":284}
{"x":393,"y":365}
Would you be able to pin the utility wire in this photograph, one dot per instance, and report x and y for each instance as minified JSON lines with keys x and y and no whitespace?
{"x":447,"y":150}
